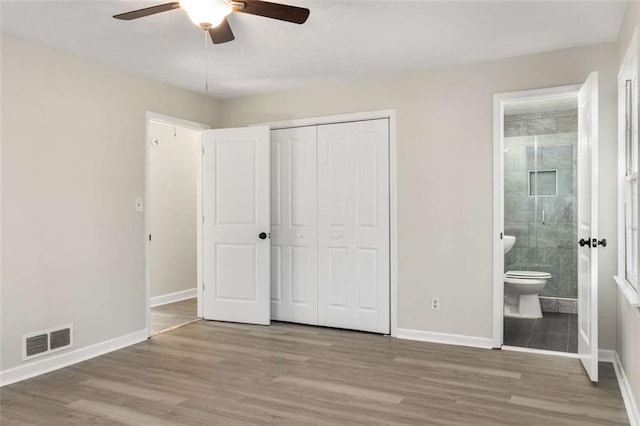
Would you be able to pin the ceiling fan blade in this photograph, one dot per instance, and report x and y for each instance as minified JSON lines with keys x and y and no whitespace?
{"x":283,"y":12}
{"x":222,"y":33}
{"x":141,"y":13}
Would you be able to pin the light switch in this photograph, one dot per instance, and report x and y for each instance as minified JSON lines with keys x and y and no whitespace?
{"x":139,"y":204}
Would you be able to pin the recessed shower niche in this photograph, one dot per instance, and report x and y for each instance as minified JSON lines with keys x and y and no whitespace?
{"x":543,"y":183}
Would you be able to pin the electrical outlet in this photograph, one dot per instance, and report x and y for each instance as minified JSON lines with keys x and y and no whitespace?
{"x":435,"y":303}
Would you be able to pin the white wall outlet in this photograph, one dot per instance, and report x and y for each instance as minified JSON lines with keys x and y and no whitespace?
{"x":139,"y":205}
{"x":435,"y":303}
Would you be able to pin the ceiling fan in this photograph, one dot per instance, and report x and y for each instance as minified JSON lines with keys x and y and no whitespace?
{"x":211,"y":15}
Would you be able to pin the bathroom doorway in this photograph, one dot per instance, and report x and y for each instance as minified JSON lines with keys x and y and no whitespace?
{"x":545,"y":269}
{"x":540,"y":183}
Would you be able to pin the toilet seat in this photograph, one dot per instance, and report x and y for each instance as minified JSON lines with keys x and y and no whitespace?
{"x":533,"y":281}
{"x":527,"y":275}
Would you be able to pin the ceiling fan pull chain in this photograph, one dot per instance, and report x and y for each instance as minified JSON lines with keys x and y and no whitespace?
{"x":206,"y":62}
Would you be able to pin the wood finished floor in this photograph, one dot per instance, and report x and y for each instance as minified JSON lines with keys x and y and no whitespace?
{"x":165,"y":317}
{"x":209,"y":373}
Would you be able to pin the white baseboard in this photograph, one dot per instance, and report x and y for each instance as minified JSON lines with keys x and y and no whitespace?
{"x":625,"y":390}
{"x":174,"y":297}
{"x":444,"y":338}
{"x":45,"y":365}
{"x":606,"y":355}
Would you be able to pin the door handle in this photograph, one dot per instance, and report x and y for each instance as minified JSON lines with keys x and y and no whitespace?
{"x":602,"y":242}
{"x":584,"y":242}
{"x":262,"y":236}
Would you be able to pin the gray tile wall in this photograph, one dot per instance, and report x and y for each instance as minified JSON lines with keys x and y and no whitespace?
{"x":542,"y":141}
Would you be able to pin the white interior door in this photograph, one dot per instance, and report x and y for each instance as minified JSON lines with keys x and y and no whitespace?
{"x":236,"y":225}
{"x":588,"y":226}
{"x":294,"y":225}
{"x":353,"y":225}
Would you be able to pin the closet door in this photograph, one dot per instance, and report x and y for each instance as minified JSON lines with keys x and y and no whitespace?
{"x":353,"y":225}
{"x":294,"y":231}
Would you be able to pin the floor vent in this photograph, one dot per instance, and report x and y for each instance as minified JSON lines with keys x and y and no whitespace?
{"x":36,"y":345}
{"x":60,"y":339}
{"x":47,"y":341}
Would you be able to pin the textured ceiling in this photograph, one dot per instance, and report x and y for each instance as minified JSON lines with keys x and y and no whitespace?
{"x":341,"y":40}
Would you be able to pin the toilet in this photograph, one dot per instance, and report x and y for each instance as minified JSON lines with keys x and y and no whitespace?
{"x":521,"y":290}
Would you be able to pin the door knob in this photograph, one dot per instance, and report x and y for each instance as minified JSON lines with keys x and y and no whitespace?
{"x":602,"y":242}
{"x":584,"y":242}
{"x":262,"y":235}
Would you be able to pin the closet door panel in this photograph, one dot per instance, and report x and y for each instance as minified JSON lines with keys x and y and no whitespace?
{"x":276,"y":273}
{"x":276,"y":221}
{"x":366,"y":181}
{"x":367,"y":279}
{"x":294,"y":225}
{"x":338,"y":279}
{"x":353,"y":225}
{"x":299,"y":261}
{"x":339,"y":178}
{"x":300,"y":214}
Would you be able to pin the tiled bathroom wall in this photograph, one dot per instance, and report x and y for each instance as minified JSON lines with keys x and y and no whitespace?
{"x":540,"y":178}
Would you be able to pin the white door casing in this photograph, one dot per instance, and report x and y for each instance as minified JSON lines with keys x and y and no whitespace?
{"x":294,"y":225}
{"x":588,"y":226}
{"x":353,"y":225}
{"x":236,"y":211}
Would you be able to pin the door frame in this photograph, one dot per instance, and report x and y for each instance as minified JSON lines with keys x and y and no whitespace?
{"x":389,"y":114}
{"x":172,"y":121}
{"x":499,"y":102}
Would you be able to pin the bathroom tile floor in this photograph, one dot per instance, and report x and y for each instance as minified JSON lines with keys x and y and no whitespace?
{"x":554,"y":332}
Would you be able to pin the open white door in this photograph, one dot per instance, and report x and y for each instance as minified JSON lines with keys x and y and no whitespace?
{"x":236,"y":225}
{"x":588,"y":226}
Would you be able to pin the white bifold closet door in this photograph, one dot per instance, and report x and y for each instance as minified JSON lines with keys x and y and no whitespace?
{"x":353,"y":225}
{"x":294,"y":232}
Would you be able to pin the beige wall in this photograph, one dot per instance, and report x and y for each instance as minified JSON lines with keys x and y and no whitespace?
{"x":72,"y":164}
{"x":444,"y":161}
{"x":628,"y":346}
{"x":172,"y":203}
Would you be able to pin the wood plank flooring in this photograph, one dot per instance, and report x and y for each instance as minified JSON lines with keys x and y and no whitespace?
{"x":210,"y":373}
{"x":166,"y":317}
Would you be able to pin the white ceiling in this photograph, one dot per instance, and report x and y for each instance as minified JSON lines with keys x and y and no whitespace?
{"x":343,"y":39}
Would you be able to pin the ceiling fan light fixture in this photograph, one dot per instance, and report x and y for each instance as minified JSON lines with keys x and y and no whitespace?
{"x":206,"y":13}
